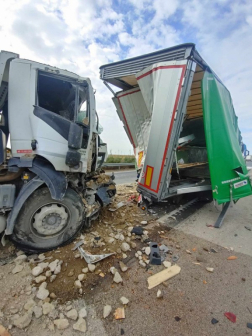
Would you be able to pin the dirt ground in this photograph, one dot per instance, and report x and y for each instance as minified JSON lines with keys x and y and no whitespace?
{"x":189,"y":302}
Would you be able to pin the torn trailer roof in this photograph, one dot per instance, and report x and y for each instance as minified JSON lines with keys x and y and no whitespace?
{"x":179,"y":117}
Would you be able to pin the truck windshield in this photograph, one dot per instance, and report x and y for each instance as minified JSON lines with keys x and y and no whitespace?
{"x":63,"y":97}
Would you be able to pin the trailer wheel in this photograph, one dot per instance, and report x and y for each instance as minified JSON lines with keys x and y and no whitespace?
{"x":44,"y":224}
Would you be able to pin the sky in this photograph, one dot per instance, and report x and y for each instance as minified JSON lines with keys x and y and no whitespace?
{"x":82,"y":35}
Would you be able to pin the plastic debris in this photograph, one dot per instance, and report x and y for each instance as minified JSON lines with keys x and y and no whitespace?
{"x":232,"y":258}
{"x":155,"y":258}
{"x":175,"y":258}
{"x":177,"y":318}
{"x":214,"y":321}
{"x":230,"y":316}
{"x":93,"y":258}
{"x":249,"y":325}
{"x":138,"y":230}
{"x":119,"y":314}
{"x":118,"y":206}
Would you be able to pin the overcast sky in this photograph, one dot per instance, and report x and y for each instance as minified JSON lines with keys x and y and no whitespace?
{"x":82,"y":35}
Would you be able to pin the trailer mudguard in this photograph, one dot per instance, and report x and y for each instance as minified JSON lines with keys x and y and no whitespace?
{"x":228,"y":171}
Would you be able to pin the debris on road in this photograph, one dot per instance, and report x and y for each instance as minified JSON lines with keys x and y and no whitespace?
{"x":159,"y":294}
{"x":92,"y":258}
{"x":232,"y":258}
{"x":117,"y":277}
{"x":124,"y":300}
{"x":155,"y":258}
{"x":119,"y":314}
{"x":167,"y":264}
{"x":118,"y":206}
{"x":3,"y":331}
{"x":175,"y":258}
{"x":247,"y":228}
{"x":214,"y":321}
{"x":249,"y":325}
{"x":177,"y":318}
{"x":210,"y":269}
{"x":162,"y":276}
{"x":188,"y":251}
{"x":230,"y":316}
{"x":138,"y":230}
{"x":106,"y":311}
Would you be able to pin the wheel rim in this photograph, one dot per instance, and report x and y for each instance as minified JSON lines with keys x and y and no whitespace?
{"x":50,"y":220}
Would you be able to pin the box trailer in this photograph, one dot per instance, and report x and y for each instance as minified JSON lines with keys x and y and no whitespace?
{"x":180,"y":120}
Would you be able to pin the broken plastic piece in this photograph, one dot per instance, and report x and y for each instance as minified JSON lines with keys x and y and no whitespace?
{"x":175,"y":258}
{"x":214,"y":321}
{"x":138,"y":230}
{"x":230,"y":316}
{"x":155,"y":257}
{"x":249,"y":325}
{"x":177,"y":318}
{"x":93,"y":258}
{"x":118,"y":206}
{"x":232,"y":258}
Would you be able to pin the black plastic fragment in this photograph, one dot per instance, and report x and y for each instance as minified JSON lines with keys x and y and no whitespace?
{"x":249,"y":325}
{"x":248,"y":228}
{"x":122,"y":331}
{"x":155,"y":257}
{"x":177,"y":318}
{"x":214,"y":321}
{"x":138,"y":230}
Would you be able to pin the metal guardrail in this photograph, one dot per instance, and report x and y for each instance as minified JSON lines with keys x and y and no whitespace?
{"x":124,"y":164}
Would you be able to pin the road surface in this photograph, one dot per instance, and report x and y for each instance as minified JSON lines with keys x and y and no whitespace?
{"x":124,"y":177}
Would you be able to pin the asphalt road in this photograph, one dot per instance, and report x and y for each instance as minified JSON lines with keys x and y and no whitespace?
{"x":124,"y":177}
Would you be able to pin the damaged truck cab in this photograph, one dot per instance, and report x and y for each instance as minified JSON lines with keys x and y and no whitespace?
{"x":180,"y":119}
{"x":50,"y":183}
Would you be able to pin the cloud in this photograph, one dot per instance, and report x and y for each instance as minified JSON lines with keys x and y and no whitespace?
{"x":83,"y":35}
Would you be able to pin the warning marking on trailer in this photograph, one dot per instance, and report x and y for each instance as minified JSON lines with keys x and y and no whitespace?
{"x":25,"y":151}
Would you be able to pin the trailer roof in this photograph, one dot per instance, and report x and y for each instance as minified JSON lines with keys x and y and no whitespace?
{"x":121,"y":73}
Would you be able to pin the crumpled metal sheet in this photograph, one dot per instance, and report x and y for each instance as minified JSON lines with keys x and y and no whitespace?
{"x":93,"y":258}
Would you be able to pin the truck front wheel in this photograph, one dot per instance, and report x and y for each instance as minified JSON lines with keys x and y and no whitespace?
{"x":44,"y":224}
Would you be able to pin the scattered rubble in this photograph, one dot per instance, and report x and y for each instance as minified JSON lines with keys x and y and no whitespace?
{"x":91,"y":267}
{"x":80,"y":325}
{"x":159,"y":294}
{"x":210,"y":269}
{"x":72,"y":314}
{"x":124,"y":300}
{"x":23,"y":321}
{"x":119,"y":314}
{"x":230,"y":316}
{"x":61,"y":323}
{"x":167,"y":264}
{"x":123,"y":266}
{"x":106,"y":311}
{"x":162,"y":276}
{"x":83,"y":312}
{"x":18,"y":268}
{"x":125,"y":247}
{"x":117,"y":278}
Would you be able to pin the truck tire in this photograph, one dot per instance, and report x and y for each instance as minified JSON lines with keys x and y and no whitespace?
{"x":44,"y":223}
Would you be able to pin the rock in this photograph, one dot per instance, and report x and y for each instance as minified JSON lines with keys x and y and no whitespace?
{"x":47,"y":308}
{"x":117,"y":278}
{"x":3,"y":331}
{"x":81,"y":277}
{"x":159,"y":294}
{"x":113,"y":270}
{"x":69,"y":307}
{"x":124,"y":256}
{"x":77,"y":255}
{"x":41,"y":256}
{"x":142,"y":263}
{"x":20,"y":259}
{"x":188,"y":251}
{"x":52,"y":277}
{"x":37,"y":270}
{"x":106,"y":311}
{"x":124,"y":300}
{"x":128,"y":240}
{"x":119,"y":251}
{"x":80,"y":325}
{"x":123,"y":266}
{"x":144,"y":222}
{"x":133,"y":245}
{"x":147,"y":250}
{"x":200,"y":259}
{"x":84,"y":270}
{"x":83,"y":312}
{"x":140,"y":257}
{"x":91,"y":267}
{"x":110,"y":240}
{"x":23,"y":321}
{"x":136,"y":255}
{"x":17,"y":269}
{"x":77,"y":284}
{"x":57,"y":269}
{"x":51,"y":326}
{"x":53,"y":296}
{"x":119,"y":236}
{"x":48,"y":273}
{"x":80,"y":291}
{"x":139,"y":253}
{"x":125,"y":247}
{"x":42,"y":293}
{"x":61,"y":323}
{"x":40,"y":278}
{"x":29,"y":304}
{"x":210,"y":269}
{"x":71,"y":273}
{"x":72,"y":314}
{"x":43,"y":265}
{"x":167,"y":264}
{"x":53,"y":265}
{"x":37,"y":311}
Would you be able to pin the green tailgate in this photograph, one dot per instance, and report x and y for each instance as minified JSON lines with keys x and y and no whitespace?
{"x":228,"y":169}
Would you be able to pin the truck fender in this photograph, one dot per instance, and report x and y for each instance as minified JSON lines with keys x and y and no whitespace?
{"x":56,"y":181}
{"x":24,"y":193}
